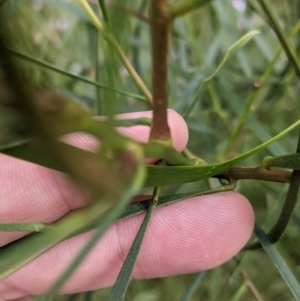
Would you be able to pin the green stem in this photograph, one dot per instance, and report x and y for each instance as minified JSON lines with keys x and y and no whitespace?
{"x":115,"y":45}
{"x":285,"y":42}
{"x":249,"y":105}
{"x":217,"y":105}
{"x":252,"y":97}
{"x":291,"y":161}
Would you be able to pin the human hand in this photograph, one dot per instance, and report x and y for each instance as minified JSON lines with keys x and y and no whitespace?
{"x":197,"y":234}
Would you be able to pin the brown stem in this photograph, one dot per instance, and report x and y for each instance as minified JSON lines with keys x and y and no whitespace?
{"x":159,"y":31}
{"x":287,"y":210}
{"x":256,"y":173}
{"x":251,"y":286}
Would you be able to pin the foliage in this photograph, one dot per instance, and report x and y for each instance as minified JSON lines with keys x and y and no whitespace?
{"x":236,"y":90}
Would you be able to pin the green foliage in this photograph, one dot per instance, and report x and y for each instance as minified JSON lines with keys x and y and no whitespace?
{"x":235,"y":93}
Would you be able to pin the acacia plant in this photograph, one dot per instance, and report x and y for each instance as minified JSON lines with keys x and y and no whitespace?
{"x":35,"y":117}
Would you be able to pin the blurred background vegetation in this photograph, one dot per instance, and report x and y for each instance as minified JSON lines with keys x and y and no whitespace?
{"x":58,"y":32}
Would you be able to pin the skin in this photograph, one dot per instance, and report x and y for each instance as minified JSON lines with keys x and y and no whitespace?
{"x":197,"y":234}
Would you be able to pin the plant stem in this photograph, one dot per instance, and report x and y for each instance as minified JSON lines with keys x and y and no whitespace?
{"x":254,"y":291}
{"x":291,"y":161}
{"x":159,"y":34}
{"x":256,"y":173}
{"x":115,"y":45}
{"x":217,"y":105}
{"x":249,"y":105}
{"x":287,"y":210}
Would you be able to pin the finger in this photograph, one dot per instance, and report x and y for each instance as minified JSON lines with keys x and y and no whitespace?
{"x":178,"y":128}
{"x":36,"y":194}
{"x":189,"y":236}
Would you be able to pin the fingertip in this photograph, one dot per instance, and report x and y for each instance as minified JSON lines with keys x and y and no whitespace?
{"x":238,"y":218}
{"x":140,"y":133}
{"x":197,"y":234}
{"x":179,"y":130}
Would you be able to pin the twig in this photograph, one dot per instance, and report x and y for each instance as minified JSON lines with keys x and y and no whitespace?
{"x":160,"y":29}
{"x":251,"y":286}
{"x":256,"y":173}
{"x":287,"y":210}
{"x":116,"y":47}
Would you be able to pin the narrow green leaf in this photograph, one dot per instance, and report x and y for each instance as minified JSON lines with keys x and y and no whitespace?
{"x":120,"y":287}
{"x":182,"y":7}
{"x":231,"y":51}
{"x":17,"y":255}
{"x":68,"y":7}
{"x":88,"y":296}
{"x":278,"y":261}
{"x":240,"y":292}
{"x":104,"y":11}
{"x":12,"y":144}
{"x":12,"y":258}
{"x":93,"y":36}
{"x":192,"y":288}
{"x":228,"y":54}
{"x":252,"y":123}
{"x":73,"y":297}
{"x":240,"y":43}
{"x":248,"y":107}
{"x":31,"y":227}
{"x":110,"y":216}
{"x":140,"y":207}
{"x":170,"y":175}
{"x":42,"y":63}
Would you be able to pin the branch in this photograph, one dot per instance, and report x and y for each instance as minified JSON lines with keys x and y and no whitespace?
{"x":255,"y":173}
{"x":160,"y":28}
